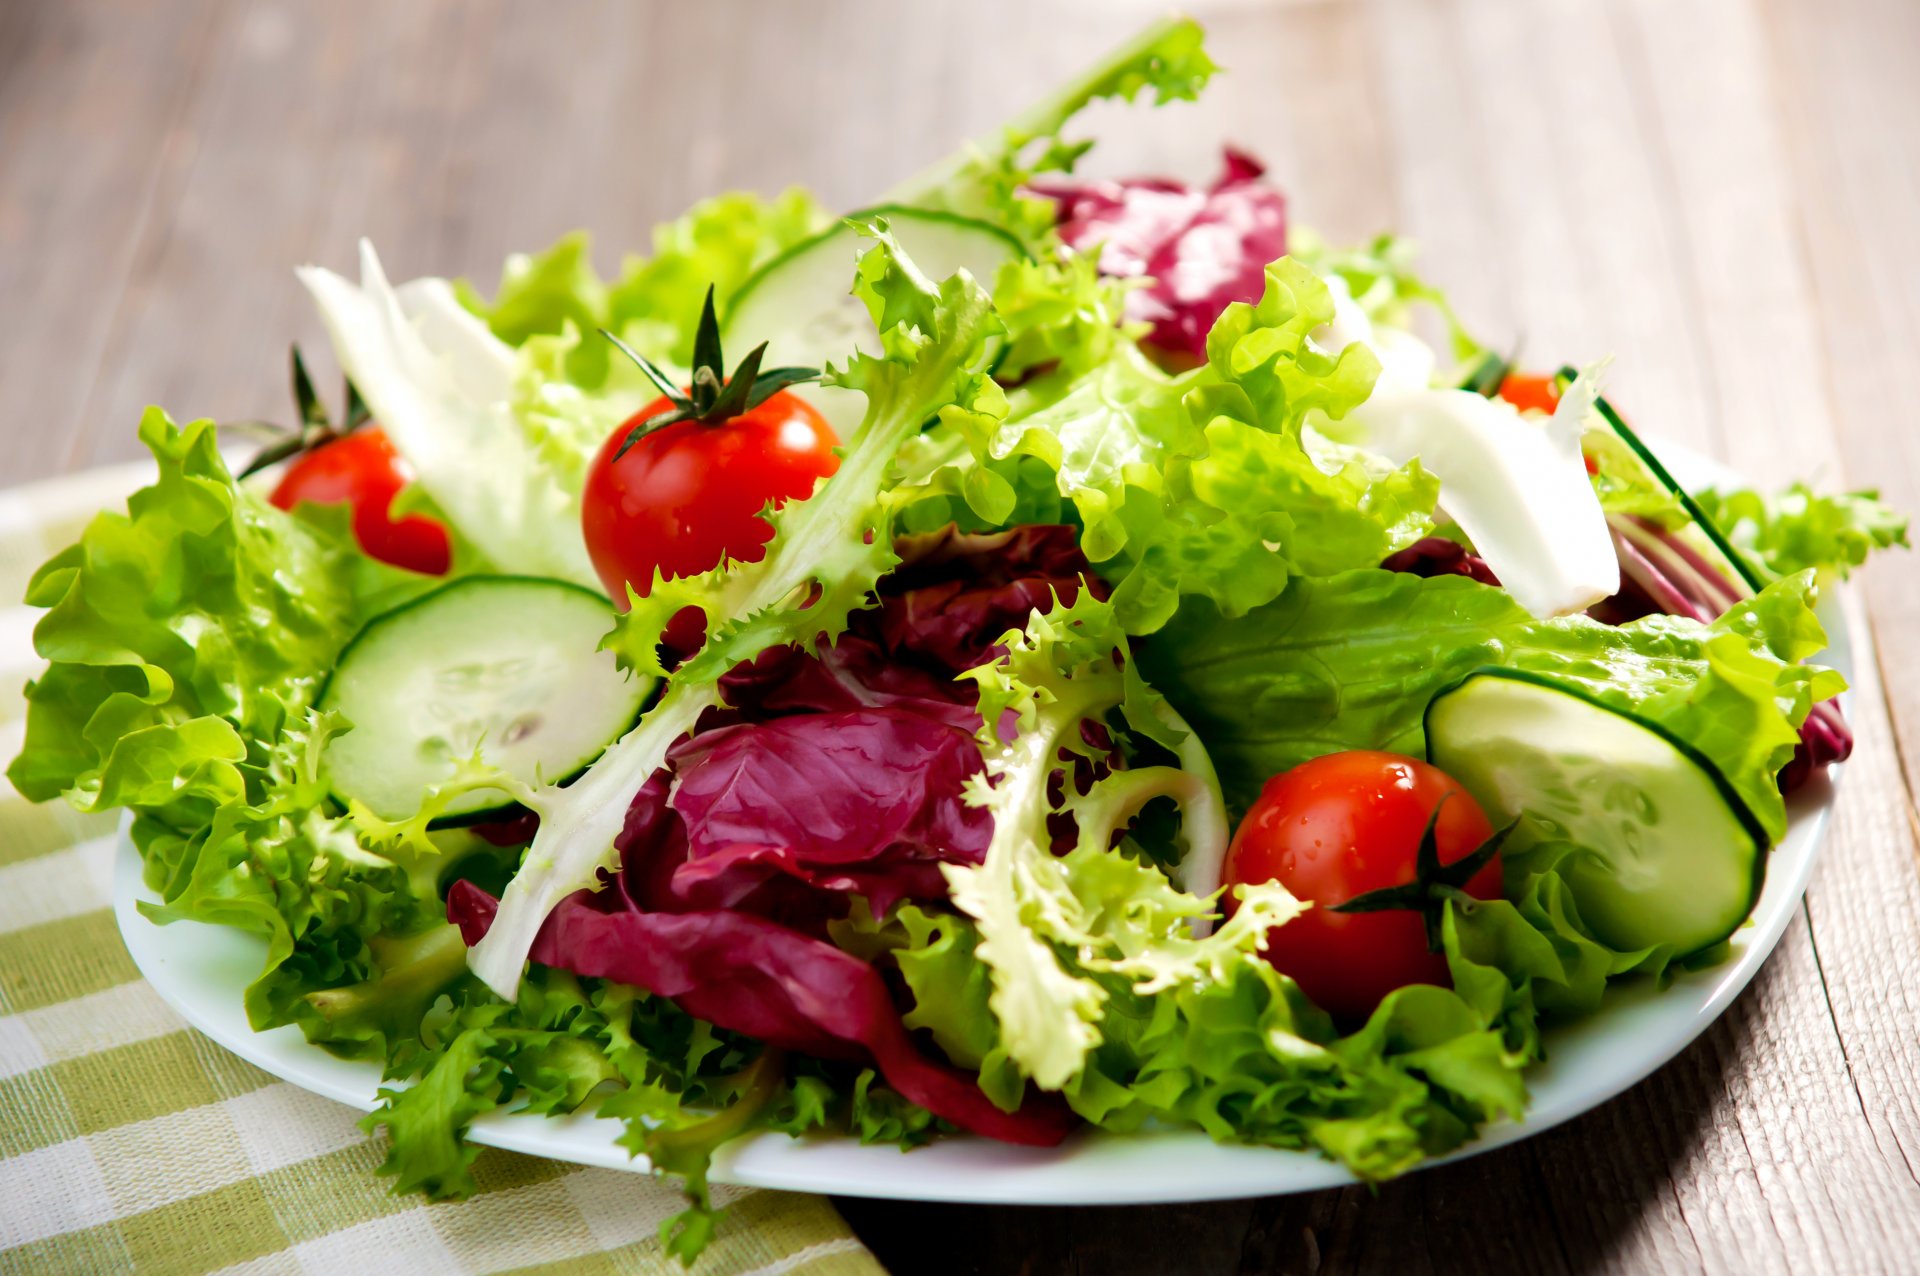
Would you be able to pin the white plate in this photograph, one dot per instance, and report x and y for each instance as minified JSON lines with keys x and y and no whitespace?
{"x":202,"y":970}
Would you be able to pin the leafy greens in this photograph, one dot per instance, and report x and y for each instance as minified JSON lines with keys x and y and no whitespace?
{"x":826,"y":556}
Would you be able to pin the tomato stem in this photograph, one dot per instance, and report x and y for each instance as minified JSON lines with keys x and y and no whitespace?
{"x":315,"y":428}
{"x":1434,"y":884}
{"x":711,"y":397}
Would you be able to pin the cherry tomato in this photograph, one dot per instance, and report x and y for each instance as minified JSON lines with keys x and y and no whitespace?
{"x":363,"y":470}
{"x":1530,"y":393}
{"x":1340,"y":826}
{"x":690,"y":494}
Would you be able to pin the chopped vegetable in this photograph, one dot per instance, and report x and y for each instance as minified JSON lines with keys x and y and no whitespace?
{"x":1193,"y":252}
{"x":1517,"y":488}
{"x":826,"y":554}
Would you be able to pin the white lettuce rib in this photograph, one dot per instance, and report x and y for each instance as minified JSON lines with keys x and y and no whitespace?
{"x":1517,"y":487}
{"x":441,"y":386}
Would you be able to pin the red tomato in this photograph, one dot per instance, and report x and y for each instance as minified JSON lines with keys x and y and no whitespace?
{"x":1530,"y":393}
{"x":363,"y":470}
{"x":1340,"y":826}
{"x":690,"y":494}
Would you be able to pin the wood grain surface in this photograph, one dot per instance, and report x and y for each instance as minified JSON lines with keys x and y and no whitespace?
{"x":1724,"y":194}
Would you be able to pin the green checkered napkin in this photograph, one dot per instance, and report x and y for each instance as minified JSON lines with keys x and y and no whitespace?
{"x":128,"y":1142}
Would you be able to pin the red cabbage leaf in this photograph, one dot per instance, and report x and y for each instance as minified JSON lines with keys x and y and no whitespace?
{"x":1199,"y":249}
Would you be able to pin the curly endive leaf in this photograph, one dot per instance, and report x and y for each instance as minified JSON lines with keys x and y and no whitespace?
{"x":826,"y":556}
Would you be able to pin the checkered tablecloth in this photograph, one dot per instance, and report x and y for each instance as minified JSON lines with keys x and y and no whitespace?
{"x":128,"y":1142}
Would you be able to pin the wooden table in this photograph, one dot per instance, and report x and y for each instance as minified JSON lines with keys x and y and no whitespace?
{"x":1722,"y":193}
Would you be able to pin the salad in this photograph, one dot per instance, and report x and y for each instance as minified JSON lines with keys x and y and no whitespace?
{"x":1032,"y":654}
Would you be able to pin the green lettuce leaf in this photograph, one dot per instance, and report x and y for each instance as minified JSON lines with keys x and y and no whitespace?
{"x":1799,"y":529}
{"x":986,"y":179}
{"x":681,"y":1087}
{"x":186,"y":640}
{"x":1202,"y":484}
{"x":181,"y":635}
{"x":1350,"y":662}
{"x":654,"y":302}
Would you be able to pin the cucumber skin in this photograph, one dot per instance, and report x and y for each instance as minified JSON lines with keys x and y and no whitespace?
{"x":919,"y":214}
{"x":1762,"y":844}
{"x":506,"y":810}
{"x":1748,"y":577}
{"x":788,"y":253}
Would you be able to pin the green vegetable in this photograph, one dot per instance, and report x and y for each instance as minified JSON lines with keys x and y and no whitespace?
{"x":1799,"y":529}
{"x":1202,"y":484}
{"x":682,"y":1088}
{"x":826,"y":555}
{"x":502,"y":664}
{"x":198,"y":621}
{"x":1670,"y":855}
{"x":1118,"y":916}
{"x":985,"y":180}
{"x":1245,"y":1057}
{"x":653,"y":302}
{"x":1350,"y":662}
{"x":187,"y":639}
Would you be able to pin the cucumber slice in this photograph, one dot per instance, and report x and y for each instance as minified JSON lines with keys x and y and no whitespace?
{"x":1708,"y":538}
{"x":1676,"y":857}
{"x":1486,"y":375}
{"x":508,"y":664}
{"x":802,"y":306}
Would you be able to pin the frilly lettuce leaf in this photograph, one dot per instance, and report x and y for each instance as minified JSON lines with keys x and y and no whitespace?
{"x":180,"y":633}
{"x":187,"y":638}
{"x":1245,"y":1057}
{"x":1116,"y":916}
{"x":986,"y":179}
{"x":1255,"y":507}
{"x":1799,"y":529}
{"x":1350,"y":662}
{"x":681,"y":1088}
{"x":1063,"y":320}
